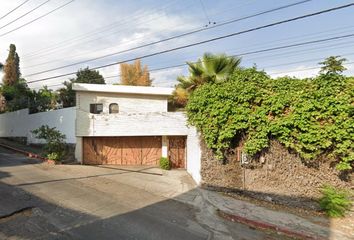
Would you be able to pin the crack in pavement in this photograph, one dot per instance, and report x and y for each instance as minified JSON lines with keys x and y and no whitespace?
{"x":26,"y":211}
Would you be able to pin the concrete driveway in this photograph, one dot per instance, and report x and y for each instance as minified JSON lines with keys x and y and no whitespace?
{"x":41,"y":201}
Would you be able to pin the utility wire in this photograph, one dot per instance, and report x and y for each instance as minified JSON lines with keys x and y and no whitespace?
{"x":305,"y":69}
{"x":334,"y":46}
{"x":191,"y":32}
{"x":32,"y":10}
{"x":236,"y":55}
{"x":109,"y":27}
{"x":301,"y":37}
{"x":13,"y":9}
{"x":176,"y":66}
{"x":218,"y":38}
{"x":183,"y":34}
{"x":302,"y":61}
{"x":205,"y":13}
{"x":36,"y":19}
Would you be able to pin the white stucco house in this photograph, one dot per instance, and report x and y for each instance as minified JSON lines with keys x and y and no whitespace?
{"x":131,"y":125}
{"x":120,"y":125}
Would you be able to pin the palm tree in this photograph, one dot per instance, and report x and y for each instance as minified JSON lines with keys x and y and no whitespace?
{"x":208,"y":69}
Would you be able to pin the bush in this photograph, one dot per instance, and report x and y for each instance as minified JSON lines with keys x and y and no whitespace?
{"x":53,"y":156}
{"x":335,"y":202}
{"x":55,"y":140}
{"x":165,"y":163}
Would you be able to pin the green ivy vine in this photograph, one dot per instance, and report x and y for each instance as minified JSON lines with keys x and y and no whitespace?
{"x":310,"y":116}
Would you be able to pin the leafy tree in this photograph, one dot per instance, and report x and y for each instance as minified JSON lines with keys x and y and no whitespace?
{"x":87,"y":75}
{"x":43,"y":100}
{"x":67,"y":95}
{"x":14,"y":90}
{"x":210,"y":68}
{"x":12,"y":67}
{"x":15,"y":95}
{"x":134,"y":74}
{"x":333,"y":64}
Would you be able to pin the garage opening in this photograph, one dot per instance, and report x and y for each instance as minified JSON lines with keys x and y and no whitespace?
{"x":122,"y":150}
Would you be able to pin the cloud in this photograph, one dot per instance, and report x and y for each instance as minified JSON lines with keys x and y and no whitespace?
{"x":299,"y":72}
{"x":166,"y":78}
{"x":128,"y":29}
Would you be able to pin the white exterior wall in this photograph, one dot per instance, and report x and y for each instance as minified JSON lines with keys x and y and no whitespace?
{"x":194,"y":155}
{"x":20,"y":123}
{"x":131,"y":124}
{"x":128,"y":103}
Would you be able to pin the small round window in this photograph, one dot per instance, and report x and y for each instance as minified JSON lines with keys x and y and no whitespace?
{"x":113,"y":108}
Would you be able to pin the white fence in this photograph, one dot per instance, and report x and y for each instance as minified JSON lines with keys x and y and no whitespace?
{"x":20,"y":123}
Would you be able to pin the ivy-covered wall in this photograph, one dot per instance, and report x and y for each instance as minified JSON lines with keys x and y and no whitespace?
{"x":313,"y":117}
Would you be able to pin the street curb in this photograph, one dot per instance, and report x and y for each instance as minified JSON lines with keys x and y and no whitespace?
{"x":267,"y":226}
{"x":259,"y":224}
{"x":28,"y":154}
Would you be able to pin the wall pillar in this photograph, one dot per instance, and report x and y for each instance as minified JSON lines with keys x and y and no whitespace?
{"x":79,"y":150}
{"x":164,"y":146}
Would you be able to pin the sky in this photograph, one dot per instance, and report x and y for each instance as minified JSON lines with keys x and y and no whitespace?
{"x":87,"y":29}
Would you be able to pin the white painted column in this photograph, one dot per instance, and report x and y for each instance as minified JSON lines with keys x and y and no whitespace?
{"x":194,"y":155}
{"x":164,"y":146}
{"x":78,"y":150}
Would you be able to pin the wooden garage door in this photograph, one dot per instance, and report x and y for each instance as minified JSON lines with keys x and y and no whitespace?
{"x":122,"y":150}
{"x":177,"y":151}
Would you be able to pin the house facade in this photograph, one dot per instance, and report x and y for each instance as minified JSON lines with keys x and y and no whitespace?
{"x":131,"y":125}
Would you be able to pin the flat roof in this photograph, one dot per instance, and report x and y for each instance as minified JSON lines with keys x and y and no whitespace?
{"x":108,"y":88}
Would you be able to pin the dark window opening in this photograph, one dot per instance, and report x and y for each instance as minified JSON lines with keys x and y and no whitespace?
{"x":113,"y":108}
{"x":96,"y":108}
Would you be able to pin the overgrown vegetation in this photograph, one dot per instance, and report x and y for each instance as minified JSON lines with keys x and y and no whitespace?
{"x":312,"y":116}
{"x":165,"y":163}
{"x":335,"y":202}
{"x":55,"y":146}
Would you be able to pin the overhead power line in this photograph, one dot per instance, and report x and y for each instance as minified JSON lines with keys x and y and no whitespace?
{"x":302,"y":61}
{"x":184,"y":34}
{"x":13,"y":10}
{"x":215,"y":39}
{"x":235,"y":55}
{"x":264,"y":44}
{"x":305,"y":69}
{"x":36,"y":19}
{"x":181,"y":65}
{"x":18,"y":18}
{"x":57,"y":46}
{"x":120,"y":22}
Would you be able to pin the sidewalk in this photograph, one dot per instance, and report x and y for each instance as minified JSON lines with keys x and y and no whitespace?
{"x":261,"y":217}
